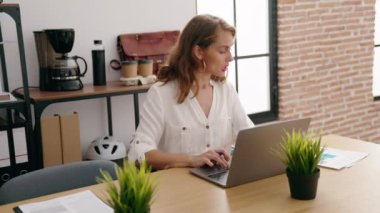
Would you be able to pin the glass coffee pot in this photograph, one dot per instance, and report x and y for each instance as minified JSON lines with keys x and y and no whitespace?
{"x":58,"y":71}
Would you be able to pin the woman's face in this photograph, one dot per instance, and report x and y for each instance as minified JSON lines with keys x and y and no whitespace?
{"x":218,"y":55}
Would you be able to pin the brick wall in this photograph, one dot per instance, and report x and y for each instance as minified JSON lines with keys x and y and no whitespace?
{"x":325,"y":58}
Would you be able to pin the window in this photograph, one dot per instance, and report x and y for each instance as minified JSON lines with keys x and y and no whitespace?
{"x":376,"y":60}
{"x":254,"y":69}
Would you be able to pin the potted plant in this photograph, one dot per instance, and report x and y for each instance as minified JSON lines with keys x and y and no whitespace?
{"x":301,"y":153}
{"x":134,"y":191}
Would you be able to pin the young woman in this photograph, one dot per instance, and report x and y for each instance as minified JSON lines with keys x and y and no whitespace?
{"x":191,"y":116}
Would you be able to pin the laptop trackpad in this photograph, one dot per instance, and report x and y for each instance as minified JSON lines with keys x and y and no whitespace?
{"x":214,"y":174}
{"x":221,"y":176}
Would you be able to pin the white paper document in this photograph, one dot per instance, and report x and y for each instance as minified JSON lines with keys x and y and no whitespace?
{"x":338,"y":158}
{"x":85,"y":202}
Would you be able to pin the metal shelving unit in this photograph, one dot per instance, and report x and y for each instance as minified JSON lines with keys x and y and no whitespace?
{"x":15,"y":114}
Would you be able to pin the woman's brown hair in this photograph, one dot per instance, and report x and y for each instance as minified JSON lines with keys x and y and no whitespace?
{"x":182,"y":63}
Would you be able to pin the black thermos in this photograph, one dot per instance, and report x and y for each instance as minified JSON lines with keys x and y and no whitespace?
{"x":98,"y":63}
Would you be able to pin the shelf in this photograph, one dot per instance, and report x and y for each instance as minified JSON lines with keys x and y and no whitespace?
{"x":12,"y":104}
{"x":16,"y":123}
{"x":15,"y":113}
{"x":5,"y":6}
{"x":89,"y":91}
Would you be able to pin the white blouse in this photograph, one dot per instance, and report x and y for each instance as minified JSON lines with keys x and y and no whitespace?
{"x":184,"y":128}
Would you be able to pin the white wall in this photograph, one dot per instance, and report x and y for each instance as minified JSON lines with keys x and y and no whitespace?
{"x":92,"y":19}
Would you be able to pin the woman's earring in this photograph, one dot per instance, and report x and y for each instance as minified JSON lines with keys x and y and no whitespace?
{"x":204,"y":65}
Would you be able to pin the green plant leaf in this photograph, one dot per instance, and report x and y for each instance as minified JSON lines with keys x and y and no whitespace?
{"x":300,"y":151}
{"x":134,"y":193}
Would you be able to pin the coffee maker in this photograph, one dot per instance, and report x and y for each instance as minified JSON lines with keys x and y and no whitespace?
{"x":58,"y":71}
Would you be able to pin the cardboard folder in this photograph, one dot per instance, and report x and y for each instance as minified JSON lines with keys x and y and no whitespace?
{"x":51,"y":141}
{"x":60,"y":139}
{"x":70,"y":138}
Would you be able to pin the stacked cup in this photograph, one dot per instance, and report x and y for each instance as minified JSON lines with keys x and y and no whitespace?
{"x":129,"y":69}
{"x":134,"y":72}
{"x":145,"y":67}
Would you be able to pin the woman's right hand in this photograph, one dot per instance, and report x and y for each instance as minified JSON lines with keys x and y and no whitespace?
{"x":210,"y":158}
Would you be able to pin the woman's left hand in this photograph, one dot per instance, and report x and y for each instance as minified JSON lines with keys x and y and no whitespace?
{"x":210,"y":158}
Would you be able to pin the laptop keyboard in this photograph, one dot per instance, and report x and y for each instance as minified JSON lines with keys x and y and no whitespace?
{"x":214,"y":171}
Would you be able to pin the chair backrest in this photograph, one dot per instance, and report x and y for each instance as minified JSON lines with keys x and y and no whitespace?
{"x":54,"y":179}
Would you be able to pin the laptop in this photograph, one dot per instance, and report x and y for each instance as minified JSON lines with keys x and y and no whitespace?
{"x":252,"y":158}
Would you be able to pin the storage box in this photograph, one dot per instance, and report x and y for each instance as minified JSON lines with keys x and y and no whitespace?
{"x":60,"y":139}
{"x":19,"y":142}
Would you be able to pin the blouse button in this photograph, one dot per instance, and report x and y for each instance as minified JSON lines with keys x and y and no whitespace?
{"x":208,"y":145}
{"x":183,"y":128}
{"x":137,"y":142}
{"x":207,"y":126}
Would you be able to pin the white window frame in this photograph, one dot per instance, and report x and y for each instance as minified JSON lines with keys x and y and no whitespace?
{"x":271,"y":113}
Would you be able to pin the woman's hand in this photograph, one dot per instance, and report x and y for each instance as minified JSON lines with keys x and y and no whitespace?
{"x":210,"y":158}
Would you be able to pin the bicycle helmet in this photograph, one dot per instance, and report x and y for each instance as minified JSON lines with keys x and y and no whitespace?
{"x":106,"y":148}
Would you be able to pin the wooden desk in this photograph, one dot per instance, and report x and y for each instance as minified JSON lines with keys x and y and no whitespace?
{"x":355,"y":189}
{"x":42,"y":99}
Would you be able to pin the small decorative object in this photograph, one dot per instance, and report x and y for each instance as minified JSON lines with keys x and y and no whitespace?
{"x":135,"y":190}
{"x":301,"y":153}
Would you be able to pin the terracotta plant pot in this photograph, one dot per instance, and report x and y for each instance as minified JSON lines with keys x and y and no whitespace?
{"x":303,"y":187}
